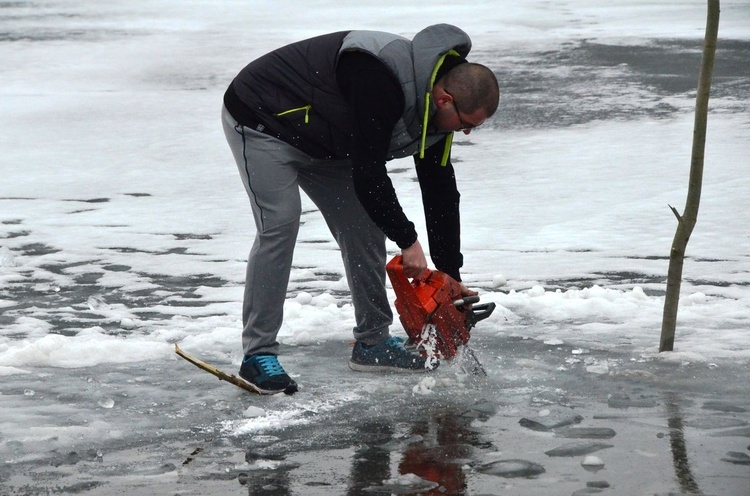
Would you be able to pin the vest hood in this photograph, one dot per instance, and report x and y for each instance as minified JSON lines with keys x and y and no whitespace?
{"x":428,"y":46}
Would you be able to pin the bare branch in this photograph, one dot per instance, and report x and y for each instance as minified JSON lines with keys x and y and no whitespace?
{"x":676,"y":213}
{"x":687,"y":220}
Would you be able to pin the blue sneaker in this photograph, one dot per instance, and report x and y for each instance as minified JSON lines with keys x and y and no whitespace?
{"x":388,"y":356}
{"x":265,"y":374}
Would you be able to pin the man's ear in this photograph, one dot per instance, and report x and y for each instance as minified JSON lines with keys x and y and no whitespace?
{"x":442,"y":98}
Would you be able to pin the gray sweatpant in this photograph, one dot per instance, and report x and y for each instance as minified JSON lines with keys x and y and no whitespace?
{"x":273,"y":173}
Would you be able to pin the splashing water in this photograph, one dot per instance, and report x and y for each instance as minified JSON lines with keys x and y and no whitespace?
{"x":428,"y":343}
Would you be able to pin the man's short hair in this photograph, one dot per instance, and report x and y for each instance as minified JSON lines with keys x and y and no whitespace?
{"x":473,"y":86}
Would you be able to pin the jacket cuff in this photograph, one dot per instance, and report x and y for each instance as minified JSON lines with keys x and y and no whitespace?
{"x":406,"y":240}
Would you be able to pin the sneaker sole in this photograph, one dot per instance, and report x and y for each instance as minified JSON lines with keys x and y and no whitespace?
{"x":359,"y":367}
{"x":269,"y":392}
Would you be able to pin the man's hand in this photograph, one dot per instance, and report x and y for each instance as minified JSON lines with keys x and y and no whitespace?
{"x":414,"y":260}
{"x":466,"y":291}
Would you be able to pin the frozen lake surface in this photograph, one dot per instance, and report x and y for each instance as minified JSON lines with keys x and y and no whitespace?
{"x":124,"y":229}
{"x":168,"y":428}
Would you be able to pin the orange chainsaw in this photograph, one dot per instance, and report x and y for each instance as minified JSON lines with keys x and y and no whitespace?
{"x":435,"y":316}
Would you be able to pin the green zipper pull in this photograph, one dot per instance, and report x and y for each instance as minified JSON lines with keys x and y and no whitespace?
{"x":425,"y":119}
{"x":306,"y":108}
{"x":447,"y":150}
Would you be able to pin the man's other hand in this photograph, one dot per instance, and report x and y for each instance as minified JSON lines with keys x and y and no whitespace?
{"x":414,"y":260}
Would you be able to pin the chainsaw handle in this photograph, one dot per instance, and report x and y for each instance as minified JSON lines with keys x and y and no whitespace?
{"x":403,"y":288}
{"x":466,"y":300}
{"x":479,"y":312}
{"x":396,"y":265}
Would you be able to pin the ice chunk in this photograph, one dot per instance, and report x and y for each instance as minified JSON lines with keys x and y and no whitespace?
{"x":303,"y":338}
{"x":482,"y":409}
{"x":97,"y":303}
{"x":586,"y":432}
{"x":741,"y":432}
{"x":404,"y":484}
{"x":598,"y":368}
{"x":304,"y":298}
{"x":694,"y":299}
{"x":585,"y":491}
{"x":626,"y":402}
{"x":11,"y":371}
{"x":534,"y":425}
{"x":536,"y":291}
{"x":577,"y":449}
{"x":537,"y":426}
{"x":715,"y":422}
{"x":512,"y":468}
{"x":575,"y":419}
{"x":6,"y":257}
{"x":737,"y":457}
{"x":128,"y":324}
{"x":253,"y":412}
{"x":722,"y":406}
{"x":592,"y":463}
{"x":425,"y":386}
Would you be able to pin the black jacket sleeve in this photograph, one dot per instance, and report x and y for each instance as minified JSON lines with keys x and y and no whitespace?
{"x":377,"y":102}
{"x":440,"y":198}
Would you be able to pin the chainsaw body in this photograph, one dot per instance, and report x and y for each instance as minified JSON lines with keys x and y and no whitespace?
{"x":433,"y":311}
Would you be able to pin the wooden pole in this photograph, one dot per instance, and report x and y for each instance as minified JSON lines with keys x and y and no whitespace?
{"x":686,"y":222}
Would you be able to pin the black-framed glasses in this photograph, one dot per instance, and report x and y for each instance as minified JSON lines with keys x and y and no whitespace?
{"x":464,"y":125}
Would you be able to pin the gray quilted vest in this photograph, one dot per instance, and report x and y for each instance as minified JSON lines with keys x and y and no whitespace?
{"x":293,"y":94}
{"x":415,"y":64}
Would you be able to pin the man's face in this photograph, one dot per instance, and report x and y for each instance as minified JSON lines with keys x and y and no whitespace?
{"x":449,"y":116}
